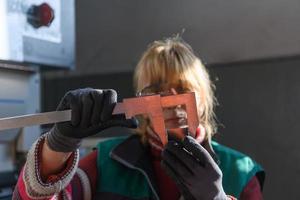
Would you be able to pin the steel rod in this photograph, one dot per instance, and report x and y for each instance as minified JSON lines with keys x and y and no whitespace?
{"x":43,"y":118}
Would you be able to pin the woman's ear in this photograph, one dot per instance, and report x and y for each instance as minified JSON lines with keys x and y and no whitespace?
{"x":200,"y":134}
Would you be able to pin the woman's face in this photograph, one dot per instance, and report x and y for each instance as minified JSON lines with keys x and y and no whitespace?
{"x":175,"y":121}
{"x":175,"y":117}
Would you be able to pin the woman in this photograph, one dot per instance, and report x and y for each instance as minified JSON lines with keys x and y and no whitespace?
{"x":190,"y":166}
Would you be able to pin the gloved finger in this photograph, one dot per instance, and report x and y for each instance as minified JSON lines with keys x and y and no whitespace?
{"x":178,"y":162}
{"x":64,"y":104}
{"x":198,"y":151}
{"x":87,"y":107}
{"x":181,"y":183}
{"x":75,"y":106}
{"x":172,"y":173}
{"x":108,"y":104}
{"x":177,"y":149}
{"x":119,"y":120}
{"x":97,"y":109}
{"x":178,"y":181}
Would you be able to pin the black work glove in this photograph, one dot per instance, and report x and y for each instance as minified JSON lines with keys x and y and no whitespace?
{"x":91,"y":113}
{"x":193,"y":170}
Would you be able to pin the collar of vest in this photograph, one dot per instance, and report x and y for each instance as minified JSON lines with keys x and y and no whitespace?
{"x":135,"y":155}
{"x":237,"y":168}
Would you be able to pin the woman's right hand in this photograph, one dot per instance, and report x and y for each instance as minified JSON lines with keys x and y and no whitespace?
{"x":91,"y":113}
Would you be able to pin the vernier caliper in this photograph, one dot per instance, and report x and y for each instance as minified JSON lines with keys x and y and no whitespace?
{"x":150,"y":105}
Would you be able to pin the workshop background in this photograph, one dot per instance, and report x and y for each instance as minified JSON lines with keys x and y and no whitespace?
{"x":251,"y":48}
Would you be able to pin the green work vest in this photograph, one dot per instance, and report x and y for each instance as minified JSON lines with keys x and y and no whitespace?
{"x":116,"y":178}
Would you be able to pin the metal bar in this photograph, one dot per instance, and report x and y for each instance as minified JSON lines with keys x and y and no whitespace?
{"x":35,"y":119}
{"x":43,"y":118}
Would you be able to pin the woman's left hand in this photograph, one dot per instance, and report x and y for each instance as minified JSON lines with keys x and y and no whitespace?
{"x":193,"y":169}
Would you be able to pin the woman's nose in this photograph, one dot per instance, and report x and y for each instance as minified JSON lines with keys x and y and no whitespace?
{"x":180,"y":111}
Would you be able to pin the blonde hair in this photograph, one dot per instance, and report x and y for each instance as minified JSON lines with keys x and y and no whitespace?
{"x":173,"y":61}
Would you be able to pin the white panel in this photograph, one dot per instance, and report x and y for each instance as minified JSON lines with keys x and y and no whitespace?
{"x":19,"y":95}
{"x":51,"y":46}
{"x":4,"y":47}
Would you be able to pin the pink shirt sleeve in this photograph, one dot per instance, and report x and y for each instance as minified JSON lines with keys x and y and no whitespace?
{"x":20,"y":192}
{"x":30,"y":185}
{"x":252,"y":190}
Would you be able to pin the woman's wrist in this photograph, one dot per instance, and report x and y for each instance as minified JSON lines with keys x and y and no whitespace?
{"x":52,"y":162}
{"x":58,"y":142}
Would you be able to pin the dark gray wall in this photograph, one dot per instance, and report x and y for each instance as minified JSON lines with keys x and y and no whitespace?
{"x":54,"y":88}
{"x":111,"y":34}
{"x":260,"y":109}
